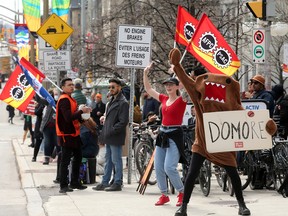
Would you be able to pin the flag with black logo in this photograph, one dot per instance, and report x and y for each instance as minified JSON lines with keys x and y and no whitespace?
{"x":185,"y":26}
{"x":209,"y":47}
{"x":17,"y":91}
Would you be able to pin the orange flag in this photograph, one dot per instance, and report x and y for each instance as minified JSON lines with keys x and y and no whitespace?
{"x":185,"y":26}
{"x":209,"y":47}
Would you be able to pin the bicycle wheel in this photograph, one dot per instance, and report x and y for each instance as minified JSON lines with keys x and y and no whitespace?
{"x":143,"y":153}
{"x":246,"y":172}
{"x":218,"y":173}
{"x":281,"y":164}
{"x":205,"y":178}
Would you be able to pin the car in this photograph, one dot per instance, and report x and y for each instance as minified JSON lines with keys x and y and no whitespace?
{"x":51,"y":29}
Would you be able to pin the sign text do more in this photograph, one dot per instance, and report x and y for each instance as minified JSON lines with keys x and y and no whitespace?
{"x":133,"y":46}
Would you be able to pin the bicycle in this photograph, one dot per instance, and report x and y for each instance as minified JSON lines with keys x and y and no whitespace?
{"x":143,"y":150}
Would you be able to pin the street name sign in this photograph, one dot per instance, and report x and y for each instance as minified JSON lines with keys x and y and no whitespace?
{"x":259,"y":40}
{"x":55,"y":31}
{"x":133,"y":46}
{"x":57,"y":60}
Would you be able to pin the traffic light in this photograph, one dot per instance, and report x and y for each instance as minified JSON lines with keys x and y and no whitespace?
{"x":264,"y":9}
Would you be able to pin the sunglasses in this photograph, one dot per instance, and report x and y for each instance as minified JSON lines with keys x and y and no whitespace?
{"x":112,"y":87}
{"x":254,"y":82}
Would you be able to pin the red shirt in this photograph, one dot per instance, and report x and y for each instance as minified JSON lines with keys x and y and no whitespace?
{"x":173,"y":114}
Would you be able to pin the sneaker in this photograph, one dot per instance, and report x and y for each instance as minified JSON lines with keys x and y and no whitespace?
{"x":56,"y":181}
{"x":114,"y":187}
{"x":180,"y":199}
{"x":100,"y":187}
{"x":162,"y":200}
{"x":33,"y":159}
{"x":78,"y":186}
{"x":65,"y":189}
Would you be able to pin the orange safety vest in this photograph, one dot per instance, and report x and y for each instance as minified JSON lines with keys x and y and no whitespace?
{"x":76,"y":123}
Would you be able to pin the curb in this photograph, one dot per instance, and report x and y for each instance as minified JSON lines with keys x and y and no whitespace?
{"x":34,"y":201}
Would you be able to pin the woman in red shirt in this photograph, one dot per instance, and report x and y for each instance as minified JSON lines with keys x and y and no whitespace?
{"x":169,"y":145}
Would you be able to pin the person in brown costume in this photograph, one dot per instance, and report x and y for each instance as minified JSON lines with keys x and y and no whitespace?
{"x":229,"y":99}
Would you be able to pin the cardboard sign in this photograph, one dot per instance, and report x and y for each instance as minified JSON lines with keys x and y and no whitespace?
{"x":236,"y":130}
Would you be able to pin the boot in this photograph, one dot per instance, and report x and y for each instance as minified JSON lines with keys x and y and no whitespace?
{"x":243,"y":210}
{"x":46,"y":160}
{"x":182,"y":211}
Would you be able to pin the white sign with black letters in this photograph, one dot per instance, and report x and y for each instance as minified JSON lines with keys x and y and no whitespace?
{"x":57,"y":60}
{"x":236,"y":130}
{"x":133,"y":46}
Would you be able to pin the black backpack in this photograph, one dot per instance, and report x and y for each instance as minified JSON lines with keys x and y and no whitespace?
{"x":283,"y":112}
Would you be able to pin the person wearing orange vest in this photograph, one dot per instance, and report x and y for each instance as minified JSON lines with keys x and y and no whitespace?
{"x":68,"y":120}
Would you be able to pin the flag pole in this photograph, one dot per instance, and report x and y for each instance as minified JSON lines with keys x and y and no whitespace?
{"x":174,"y":44}
{"x":183,"y":55}
{"x":54,"y":84}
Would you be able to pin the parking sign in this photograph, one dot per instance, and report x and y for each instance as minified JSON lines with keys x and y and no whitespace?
{"x":258,"y":52}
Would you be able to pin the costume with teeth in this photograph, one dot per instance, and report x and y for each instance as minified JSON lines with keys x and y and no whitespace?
{"x":210,"y":93}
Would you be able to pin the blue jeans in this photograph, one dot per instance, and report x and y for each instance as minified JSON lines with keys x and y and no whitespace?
{"x":50,"y":140}
{"x":113,"y":159}
{"x":166,"y":162}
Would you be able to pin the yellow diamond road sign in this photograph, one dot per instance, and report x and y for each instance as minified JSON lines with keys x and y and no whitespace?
{"x":55,"y":31}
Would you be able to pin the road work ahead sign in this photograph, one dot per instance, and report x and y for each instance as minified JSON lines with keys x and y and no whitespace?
{"x":133,"y":46}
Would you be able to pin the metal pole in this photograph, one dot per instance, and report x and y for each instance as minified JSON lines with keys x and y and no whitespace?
{"x":83,"y":29}
{"x":131,"y":114}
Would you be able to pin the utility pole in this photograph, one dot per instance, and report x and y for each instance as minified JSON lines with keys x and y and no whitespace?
{"x":83,"y":37}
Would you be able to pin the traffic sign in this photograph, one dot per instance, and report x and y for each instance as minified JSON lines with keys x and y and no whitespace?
{"x":133,"y":46}
{"x":55,"y":31}
{"x":57,"y":60}
{"x":259,"y":40}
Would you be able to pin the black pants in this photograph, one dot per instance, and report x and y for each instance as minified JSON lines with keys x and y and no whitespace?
{"x":67,"y":154}
{"x":38,"y":142}
{"x":194,"y":169}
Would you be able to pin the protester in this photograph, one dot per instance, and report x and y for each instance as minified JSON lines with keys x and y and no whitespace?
{"x":77,"y":93}
{"x":98,"y":111}
{"x":259,"y":92}
{"x":11,"y":113}
{"x":47,"y":127}
{"x":28,"y":127}
{"x":115,"y":121}
{"x":37,"y":133}
{"x":68,"y":130}
{"x":249,"y":93}
{"x":169,"y":144}
{"x":196,"y":90}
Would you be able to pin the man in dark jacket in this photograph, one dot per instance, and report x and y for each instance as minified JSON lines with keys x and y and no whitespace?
{"x":68,"y":131}
{"x":258,"y":86}
{"x":115,"y":121}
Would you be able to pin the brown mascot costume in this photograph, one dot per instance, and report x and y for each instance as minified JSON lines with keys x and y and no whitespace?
{"x":200,"y":90}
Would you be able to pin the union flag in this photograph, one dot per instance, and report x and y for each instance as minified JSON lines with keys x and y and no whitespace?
{"x":209,"y":47}
{"x":17,"y":91}
{"x":185,"y":26}
{"x":285,"y":70}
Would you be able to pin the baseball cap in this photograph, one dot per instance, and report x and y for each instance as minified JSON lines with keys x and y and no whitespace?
{"x":171,"y":80}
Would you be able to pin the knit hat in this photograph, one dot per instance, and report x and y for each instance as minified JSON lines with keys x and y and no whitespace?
{"x":98,"y":95}
{"x":259,"y":78}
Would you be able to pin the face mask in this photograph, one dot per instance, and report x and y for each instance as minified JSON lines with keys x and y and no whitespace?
{"x":56,"y":97}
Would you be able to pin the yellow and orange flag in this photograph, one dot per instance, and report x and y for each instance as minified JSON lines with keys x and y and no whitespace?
{"x":185,"y":26}
{"x":209,"y":47}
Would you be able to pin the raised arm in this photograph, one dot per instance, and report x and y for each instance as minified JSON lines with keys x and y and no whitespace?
{"x":187,"y":81}
{"x":152,"y":92}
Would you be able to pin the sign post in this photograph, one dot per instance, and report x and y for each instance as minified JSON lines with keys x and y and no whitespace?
{"x":55,"y":31}
{"x":133,"y":51}
{"x":259,"y":52}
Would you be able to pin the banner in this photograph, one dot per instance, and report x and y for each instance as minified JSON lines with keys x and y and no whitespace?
{"x":31,"y":9}
{"x":28,"y":68}
{"x":209,"y":47}
{"x":22,"y":40}
{"x":61,"y":8}
{"x":17,"y":91}
{"x":185,"y":26}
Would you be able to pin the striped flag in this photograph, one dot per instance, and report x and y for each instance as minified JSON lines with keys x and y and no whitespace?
{"x":31,"y":9}
{"x":209,"y":47}
{"x":61,"y":8}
